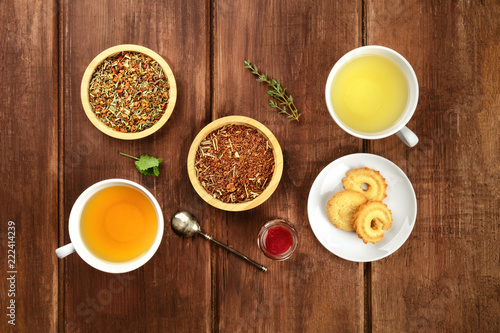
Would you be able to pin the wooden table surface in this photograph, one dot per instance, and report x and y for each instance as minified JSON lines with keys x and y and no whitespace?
{"x":446,"y":277}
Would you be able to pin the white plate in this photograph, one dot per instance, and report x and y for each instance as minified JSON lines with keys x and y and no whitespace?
{"x":401,"y":200}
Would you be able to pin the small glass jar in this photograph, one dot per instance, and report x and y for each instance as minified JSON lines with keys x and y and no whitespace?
{"x":277,"y":239}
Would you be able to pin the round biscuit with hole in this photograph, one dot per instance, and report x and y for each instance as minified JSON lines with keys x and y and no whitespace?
{"x":368,"y":182}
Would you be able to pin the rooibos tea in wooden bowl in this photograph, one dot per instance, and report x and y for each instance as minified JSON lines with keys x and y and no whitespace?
{"x":234,"y":163}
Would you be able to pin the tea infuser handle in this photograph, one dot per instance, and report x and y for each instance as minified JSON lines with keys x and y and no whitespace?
{"x":210,"y":238}
{"x":65,"y":250}
{"x":407,"y":136}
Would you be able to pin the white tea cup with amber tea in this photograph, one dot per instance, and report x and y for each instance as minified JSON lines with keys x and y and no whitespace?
{"x":372,"y":92}
{"x":115,"y":226}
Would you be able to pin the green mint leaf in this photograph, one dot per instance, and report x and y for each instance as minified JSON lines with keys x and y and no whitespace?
{"x":129,"y":156}
{"x":154,"y":171}
{"x":148,"y":172}
{"x":146,"y":162}
{"x":147,"y":165}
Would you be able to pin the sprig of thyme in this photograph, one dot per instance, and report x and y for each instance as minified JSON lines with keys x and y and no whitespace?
{"x":285,"y":102}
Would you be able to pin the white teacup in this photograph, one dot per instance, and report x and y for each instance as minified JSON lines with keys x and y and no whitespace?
{"x":398,"y":128}
{"x":79,"y":246}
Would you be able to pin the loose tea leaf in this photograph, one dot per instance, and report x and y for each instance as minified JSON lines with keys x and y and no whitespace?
{"x":147,"y":165}
{"x":234,"y":163}
{"x":285,"y":102}
{"x":129,"y":92}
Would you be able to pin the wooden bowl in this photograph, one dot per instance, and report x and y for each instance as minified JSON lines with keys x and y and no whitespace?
{"x":87,"y":76}
{"x":278,"y":163}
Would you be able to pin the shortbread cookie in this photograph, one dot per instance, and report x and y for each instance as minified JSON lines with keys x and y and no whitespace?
{"x":342,"y":207}
{"x":375,"y":183}
{"x":371,"y":220}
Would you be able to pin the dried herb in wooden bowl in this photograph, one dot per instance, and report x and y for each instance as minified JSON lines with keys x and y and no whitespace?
{"x":129,"y":92}
{"x":234,"y":163}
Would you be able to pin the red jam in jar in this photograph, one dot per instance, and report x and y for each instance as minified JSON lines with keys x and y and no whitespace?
{"x":277,"y":239}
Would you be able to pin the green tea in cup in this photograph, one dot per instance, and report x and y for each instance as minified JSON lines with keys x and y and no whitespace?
{"x":370,"y":93}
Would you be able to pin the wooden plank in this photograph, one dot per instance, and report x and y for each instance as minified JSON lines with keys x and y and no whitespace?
{"x":29,"y":168}
{"x":172,"y":291}
{"x":446,"y":277}
{"x":297,"y":42}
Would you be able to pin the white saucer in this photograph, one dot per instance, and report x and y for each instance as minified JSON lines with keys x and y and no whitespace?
{"x":401,"y":200}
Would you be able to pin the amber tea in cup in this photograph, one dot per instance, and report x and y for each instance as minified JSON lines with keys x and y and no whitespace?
{"x":115,"y":225}
{"x":118,"y":224}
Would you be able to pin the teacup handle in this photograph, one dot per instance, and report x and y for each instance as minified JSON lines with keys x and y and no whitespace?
{"x":407,"y":136}
{"x":65,"y":250}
